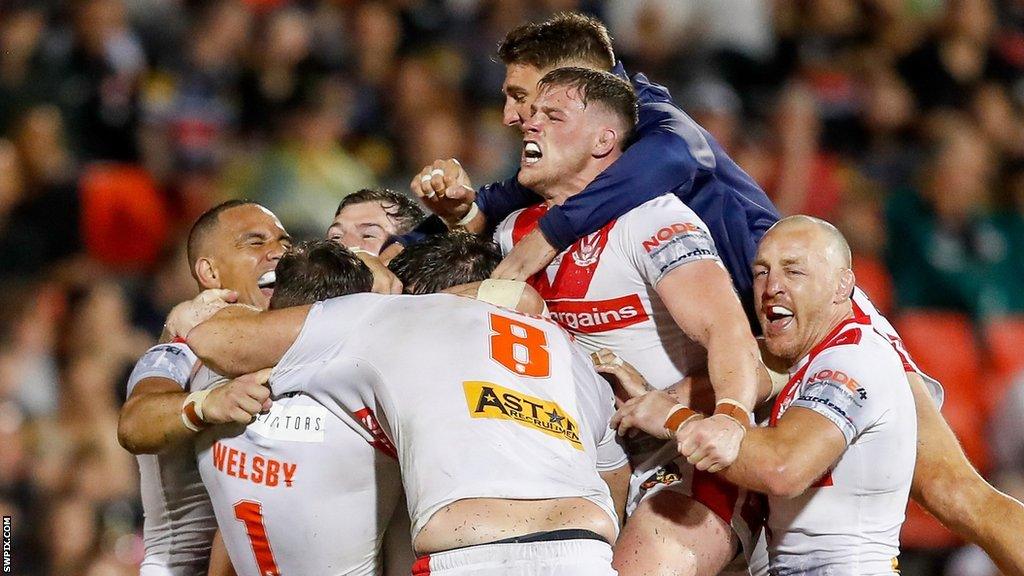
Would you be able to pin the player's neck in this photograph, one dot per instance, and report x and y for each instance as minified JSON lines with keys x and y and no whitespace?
{"x":573,"y":184}
{"x":838,"y":315}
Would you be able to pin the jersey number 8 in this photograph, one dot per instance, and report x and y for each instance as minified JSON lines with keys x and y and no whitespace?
{"x":519,"y":347}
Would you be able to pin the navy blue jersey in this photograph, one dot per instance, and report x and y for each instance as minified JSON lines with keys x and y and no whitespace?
{"x":671,"y":154}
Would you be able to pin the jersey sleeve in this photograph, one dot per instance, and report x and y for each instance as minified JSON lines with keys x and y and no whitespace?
{"x":849,"y":387}
{"x":663,"y":235}
{"x":172,"y":361}
{"x":329,"y":327}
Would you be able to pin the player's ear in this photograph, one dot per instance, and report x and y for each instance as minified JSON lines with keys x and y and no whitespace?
{"x":607,"y":141}
{"x":844,"y":291}
{"x":207,"y":273}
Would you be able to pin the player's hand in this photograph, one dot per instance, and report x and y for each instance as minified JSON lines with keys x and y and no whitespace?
{"x":626,"y":381}
{"x":388,"y":254}
{"x":531,"y":255}
{"x":710,"y":444}
{"x":239,"y":400}
{"x":445,"y":189}
{"x":646,"y":413}
{"x":187,"y":315}
{"x":384,"y":280}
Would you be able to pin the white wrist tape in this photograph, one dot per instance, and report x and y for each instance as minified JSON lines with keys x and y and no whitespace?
{"x":192,"y":410}
{"x":501,"y":292}
{"x":473,"y":211}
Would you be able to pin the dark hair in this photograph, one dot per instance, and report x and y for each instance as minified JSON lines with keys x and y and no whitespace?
{"x":605,"y":88}
{"x":317,"y":270}
{"x":205,"y":224}
{"x":565,"y":38}
{"x":445,"y":260}
{"x":404,"y":210}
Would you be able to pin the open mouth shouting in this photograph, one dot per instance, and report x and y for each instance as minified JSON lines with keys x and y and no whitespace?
{"x":266,"y":283}
{"x":531,"y":153}
{"x":779,"y":318}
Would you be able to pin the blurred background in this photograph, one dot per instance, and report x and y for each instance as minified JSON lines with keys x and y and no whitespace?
{"x":122,"y":120}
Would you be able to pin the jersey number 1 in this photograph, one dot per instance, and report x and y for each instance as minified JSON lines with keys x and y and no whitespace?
{"x":519,"y":347}
{"x":251,"y":514}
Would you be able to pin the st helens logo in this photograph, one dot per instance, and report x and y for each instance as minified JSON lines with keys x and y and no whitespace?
{"x":588,"y":250}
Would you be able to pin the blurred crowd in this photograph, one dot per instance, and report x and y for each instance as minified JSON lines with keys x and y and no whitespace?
{"x":122,"y":120}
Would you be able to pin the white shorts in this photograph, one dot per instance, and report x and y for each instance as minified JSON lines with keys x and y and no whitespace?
{"x":554,"y":558}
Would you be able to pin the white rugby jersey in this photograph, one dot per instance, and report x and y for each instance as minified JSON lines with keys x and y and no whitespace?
{"x":601,"y":289}
{"x":848,"y":522}
{"x":481,"y":402}
{"x":297,"y":491}
{"x":179,"y":522}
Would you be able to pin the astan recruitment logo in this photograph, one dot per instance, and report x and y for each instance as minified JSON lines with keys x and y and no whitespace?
{"x":488,"y":400}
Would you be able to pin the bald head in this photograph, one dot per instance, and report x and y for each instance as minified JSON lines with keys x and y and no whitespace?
{"x":823,"y":235}
{"x":803,"y":283}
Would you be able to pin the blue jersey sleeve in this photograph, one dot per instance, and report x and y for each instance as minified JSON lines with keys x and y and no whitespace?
{"x":500,"y":199}
{"x":659,"y":162}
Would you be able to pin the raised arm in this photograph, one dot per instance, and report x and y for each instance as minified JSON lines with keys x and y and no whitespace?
{"x":239,"y":340}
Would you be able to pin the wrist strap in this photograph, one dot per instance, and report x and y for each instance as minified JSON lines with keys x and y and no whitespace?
{"x":504,"y":293}
{"x":733,"y":409}
{"x":192,"y":411}
{"x":678,"y":416}
{"x":473,"y":211}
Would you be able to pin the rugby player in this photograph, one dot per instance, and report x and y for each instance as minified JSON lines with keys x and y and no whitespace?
{"x":651,"y":288}
{"x":836,"y":459}
{"x":231,"y":249}
{"x":509,"y":483}
{"x":297,"y":491}
{"x":367,"y":218}
{"x":674,"y":153}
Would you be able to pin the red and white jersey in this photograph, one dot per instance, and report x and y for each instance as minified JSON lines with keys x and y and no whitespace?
{"x":602,"y":288}
{"x":849,"y":521}
{"x":862,"y":306}
{"x":179,"y":522}
{"x":297,"y":491}
{"x":480,"y":401}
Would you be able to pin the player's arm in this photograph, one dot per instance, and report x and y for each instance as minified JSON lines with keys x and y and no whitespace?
{"x":150,"y":419}
{"x":947,"y":485}
{"x":220,"y":564}
{"x":518,"y":296}
{"x":786,"y":459}
{"x":700,"y":297}
{"x":239,"y":340}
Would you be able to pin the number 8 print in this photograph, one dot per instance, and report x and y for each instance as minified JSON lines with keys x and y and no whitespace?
{"x":520,"y":347}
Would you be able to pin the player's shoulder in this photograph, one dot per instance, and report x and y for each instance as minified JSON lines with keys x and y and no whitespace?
{"x":859,"y":350}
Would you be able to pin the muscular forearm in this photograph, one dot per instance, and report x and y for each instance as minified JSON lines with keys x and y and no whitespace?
{"x":734,"y":365}
{"x":948,"y":486}
{"x":239,"y":340}
{"x":151,"y":422}
{"x":760,"y":464}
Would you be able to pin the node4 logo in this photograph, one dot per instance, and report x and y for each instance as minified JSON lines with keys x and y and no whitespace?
{"x":487,"y":400}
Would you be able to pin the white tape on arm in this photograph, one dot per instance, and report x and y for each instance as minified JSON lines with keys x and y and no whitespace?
{"x":501,"y":292}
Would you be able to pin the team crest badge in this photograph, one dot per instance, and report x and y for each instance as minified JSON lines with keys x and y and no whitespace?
{"x":588,"y":250}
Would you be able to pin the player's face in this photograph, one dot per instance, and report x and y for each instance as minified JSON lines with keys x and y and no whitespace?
{"x":794,"y":289}
{"x":557,"y":139}
{"x":520,"y":88}
{"x":250,"y":240}
{"x":365,"y":225}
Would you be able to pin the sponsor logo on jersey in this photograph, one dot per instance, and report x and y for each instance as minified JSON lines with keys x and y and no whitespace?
{"x":841,"y":380}
{"x":588,"y":250}
{"x":669,"y":233}
{"x":256,"y":468}
{"x":592,"y":316}
{"x":488,"y":400}
{"x":295,"y":423}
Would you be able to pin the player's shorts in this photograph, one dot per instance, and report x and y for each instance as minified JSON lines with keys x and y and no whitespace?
{"x":744,"y":512}
{"x":557,"y":553}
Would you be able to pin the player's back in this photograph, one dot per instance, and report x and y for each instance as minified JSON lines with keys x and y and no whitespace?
{"x":849,"y":521}
{"x":298,"y":491}
{"x":482,"y":402}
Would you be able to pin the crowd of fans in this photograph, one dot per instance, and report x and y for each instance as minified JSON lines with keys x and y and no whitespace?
{"x":121,"y":120}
